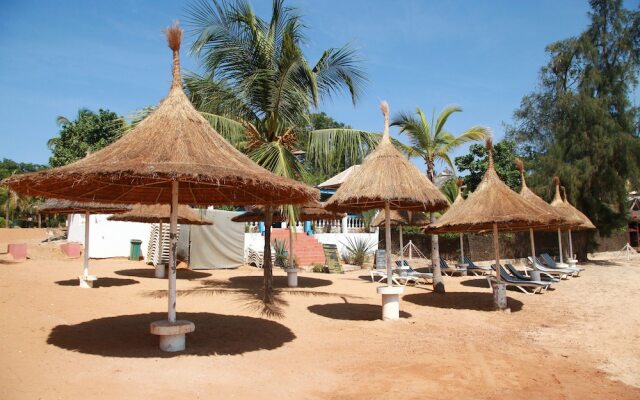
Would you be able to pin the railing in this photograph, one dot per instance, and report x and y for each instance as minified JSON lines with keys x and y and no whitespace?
{"x":351,"y":224}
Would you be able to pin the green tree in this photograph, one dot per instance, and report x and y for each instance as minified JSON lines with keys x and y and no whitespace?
{"x":87,"y":133}
{"x":258,"y":87}
{"x":432,"y":142}
{"x":580,"y":124}
{"x":10,"y":202}
{"x":476,"y":162}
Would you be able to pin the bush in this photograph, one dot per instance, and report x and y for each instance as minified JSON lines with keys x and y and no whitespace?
{"x":358,"y":249}
{"x":281,"y":253}
{"x":320,"y":268}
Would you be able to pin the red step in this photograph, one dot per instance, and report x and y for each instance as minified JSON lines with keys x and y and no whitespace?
{"x":306,"y":249}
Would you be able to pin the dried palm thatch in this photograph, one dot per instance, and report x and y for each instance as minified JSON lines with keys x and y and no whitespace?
{"x":493,"y":202}
{"x":402,"y":217}
{"x":174,"y":143}
{"x":308,"y":212}
{"x":578,"y":219}
{"x":565,"y":220}
{"x":160,"y":213}
{"x":59,"y":206}
{"x":386,"y":176}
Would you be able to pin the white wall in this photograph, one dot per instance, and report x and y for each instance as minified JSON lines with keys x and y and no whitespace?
{"x":108,"y":238}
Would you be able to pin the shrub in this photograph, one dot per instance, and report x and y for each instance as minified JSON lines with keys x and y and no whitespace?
{"x":320,"y":268}
{"x":281,"y":253}
{"x":358,"y":249}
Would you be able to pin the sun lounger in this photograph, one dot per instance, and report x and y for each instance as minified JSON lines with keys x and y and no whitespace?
{"x":560,"y":273}
{"x":515,"y":272}
{"x":447,"y":270}
{"x":547,"y":259}
{"x":405,"y":269}
{"x":476,"y":269}
{"x":520,"y":284}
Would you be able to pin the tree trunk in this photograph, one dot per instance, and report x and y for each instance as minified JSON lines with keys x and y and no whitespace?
{"x":267,"y":266}
{"x":438,"y":283}
{"x":6,"y":210}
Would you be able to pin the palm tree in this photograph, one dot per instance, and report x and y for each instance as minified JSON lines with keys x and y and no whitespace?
{"x":258,"y":89}
{"x":433,"y":142}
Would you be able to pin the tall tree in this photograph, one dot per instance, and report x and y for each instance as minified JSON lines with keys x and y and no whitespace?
{"x":432,"y":142}
{"x":476,"y":162}
{"x":9,"y":200}
{"x":89,"y":132}
{"x":580,"y":124}
{"x":258,"y":87}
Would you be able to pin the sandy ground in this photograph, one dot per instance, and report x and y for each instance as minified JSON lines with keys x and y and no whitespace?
{"x":325,"y":341}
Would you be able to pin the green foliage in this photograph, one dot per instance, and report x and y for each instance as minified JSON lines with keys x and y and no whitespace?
{"x":368,"y":216}
{"x":411,"y":229}
{"x":17,"y":208}
{"x":258,"y":87}
{"x":477,"y":161}
{"x":358,"y":249}
{"x":87,"y":133}
{"x":320,"y":268}
{"x":580,"y":124}
{"x":282,"y":255}
{"x":450,"y":189}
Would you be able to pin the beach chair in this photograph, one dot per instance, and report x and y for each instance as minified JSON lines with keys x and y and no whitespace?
{"x":538,"y":266}
{"x":520,"y":284}
{"x":518,"y":274}
{"x":476,"y":270}
{"x":550,"y":262}
{"x":379,"y":270}
{"x":332,"y":258}
{"x":405,"y":269}
{"x":447,"y":270}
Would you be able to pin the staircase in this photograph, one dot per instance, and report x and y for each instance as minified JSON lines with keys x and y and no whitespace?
{"x":305,"y":248}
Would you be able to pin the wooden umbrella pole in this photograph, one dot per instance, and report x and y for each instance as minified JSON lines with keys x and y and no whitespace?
{"x":160,"y":243}
{"x":496,"y":249}
{"x":172,"y":253}
{"x":560,"y":245}
{"x":291,"y":263}
{"x":87,"y":218}
{"x":401,"y":246}
{"x":387,"y":238}
{"x":462,"y":249}
{"x":533,"y":251}
{"x":570,"y":246}
{"x":267,"y":267}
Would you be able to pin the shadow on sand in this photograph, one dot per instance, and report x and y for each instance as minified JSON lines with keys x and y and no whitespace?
{"x":351,"y":311}
{"x":460,"y":301}
{"x":181,"y":273}
{"x":100,"y":282}
{"x":477,"y":283}
{"x":256,"y":282}
{"x":128,"y":335}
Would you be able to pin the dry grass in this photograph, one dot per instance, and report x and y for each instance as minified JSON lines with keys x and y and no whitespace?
{"x":402,"y":217}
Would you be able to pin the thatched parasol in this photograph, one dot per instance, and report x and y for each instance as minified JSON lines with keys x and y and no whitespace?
{"x":528,"y":194}
{"x":456,"y":203}
{"x":493,"y":206}
{"x":172,"y":156}
{"x":387,"y":180}
{"x":159,"y":213}
{"x":402,"y":218}
{"x":59,"y":206}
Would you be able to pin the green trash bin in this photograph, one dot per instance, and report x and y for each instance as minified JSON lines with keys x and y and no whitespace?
{"x":134,"y":253}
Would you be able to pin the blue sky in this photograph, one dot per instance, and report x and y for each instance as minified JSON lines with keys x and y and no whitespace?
{"x":481,"y":55}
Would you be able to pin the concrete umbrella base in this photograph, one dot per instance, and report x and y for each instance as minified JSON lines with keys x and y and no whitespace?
{"x":86,"y":281}
{"x":500,"y":296}
{"x":172,"y":334}
{"x":390,"y":302}
{"x":161,"y":270}
{"x":292,"y":277}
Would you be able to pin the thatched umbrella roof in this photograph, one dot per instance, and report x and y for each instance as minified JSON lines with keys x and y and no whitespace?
{"x":402,"y":217}
{"x":174,"y":143}
{"x":160,"y":213}
{"x":387,"y":176}
{"x":493,"y":202}
{"x":60,"y":206}
{"x":564,"y":208}
{"x":566,"y":221}
{"x":308,"y":212}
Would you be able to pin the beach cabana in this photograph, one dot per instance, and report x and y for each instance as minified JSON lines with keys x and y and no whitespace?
{"x":160,"y":213}
{"x":59,"y":206}
{"x":172,"y":156}
{"x":309,"y":211}
{"x":387,"y":180}
{"x":493,"y":206}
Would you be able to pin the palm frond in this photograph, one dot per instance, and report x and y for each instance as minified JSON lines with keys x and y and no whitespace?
{"x":276,"y":158}
{"x":444,"y":116}
{"x":475,"y":133}
{"x":339,"y":69}
{"x":233,"y":131}
{"x":330,"y":146}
